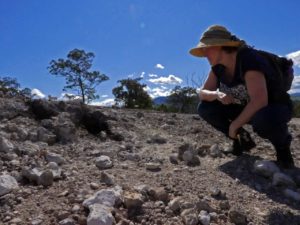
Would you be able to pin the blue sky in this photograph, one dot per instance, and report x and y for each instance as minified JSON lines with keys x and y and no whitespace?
{"x":130,"y":38}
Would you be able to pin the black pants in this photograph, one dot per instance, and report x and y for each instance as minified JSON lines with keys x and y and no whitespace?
{"x":269,"y":122}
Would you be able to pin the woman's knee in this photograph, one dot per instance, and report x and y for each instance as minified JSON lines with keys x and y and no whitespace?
{"x":206,"y":109}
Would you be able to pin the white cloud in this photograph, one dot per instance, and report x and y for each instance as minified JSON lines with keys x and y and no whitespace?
{"x":171,"y":79}
{"x":152,"y":75}
{"x":159,"y":66}
{"x":295,"y":85}
{"x":295,"y":56}
{"x":142,"y":75}
{"x":68,"y":97}
{"x":107,"y":102}
{"x":158,"y":92}
{"x":37,"y":93}
{"x":104,"y":96}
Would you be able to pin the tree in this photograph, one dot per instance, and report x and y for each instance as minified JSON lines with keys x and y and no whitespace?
{"x":185,"y":99}
{"x":9,"y":85}
{"x":75,"y":69}
{"x":132,"y":94}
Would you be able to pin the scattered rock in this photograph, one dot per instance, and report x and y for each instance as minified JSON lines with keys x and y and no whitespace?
{"x":237,"y":217}
{"x":175,"y":204}
{"x":173,"y":159}
{"x":189,"y":217}
{"x":108,"y":197}
{"x":46,"y":178}
{"x":7,"y":184}
{"x":204,"y":217}
{"x":191,"y":158}
{"x":133,"y":200}
{"x":53,"y":157}
{"x":5,"y":145}
{"x":215,"y":151}
{"x":157,"y":139}
{"x":104,"y":162}
{"x":153,"y":166}
{"x":106,"y":178}
{"x":67,"y":221}
{"x":100,"y":215}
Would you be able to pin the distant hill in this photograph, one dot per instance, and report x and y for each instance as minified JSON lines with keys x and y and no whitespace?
{"x":160,"y":100}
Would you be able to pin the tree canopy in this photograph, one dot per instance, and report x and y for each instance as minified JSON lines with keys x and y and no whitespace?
{"x":76,"y":70}
{"x":131,"y":93}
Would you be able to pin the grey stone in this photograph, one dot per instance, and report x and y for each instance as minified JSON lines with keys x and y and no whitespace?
{"x":100,"y":215}
{"x":190,"y":158}
{"x":5,"y":145}
{"x":46,"y":178}
{"x":44,"y":135}
{"x":215,"y":151}
{"x":106,"y":178}
{"x":175,"y":204}
{"x":103,"y":162}
{"x":237,"y":217}
{"x":173,"y":159}
{"x":157,"y":139}
{"x":189,"y":217}
{"x":204,"y":217}
{"x":108,"y":197}
{"x":133,"y":200}
{"x":53,"y":157}
{"x":67,"y":221}
{"x":7,"y":184}
{"x":152,"y":166}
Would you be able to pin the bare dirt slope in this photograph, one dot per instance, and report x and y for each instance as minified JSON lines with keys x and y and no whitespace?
{"x":143,"y":147}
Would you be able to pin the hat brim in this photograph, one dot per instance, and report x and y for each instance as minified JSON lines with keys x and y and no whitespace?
{"x":199,"y":50}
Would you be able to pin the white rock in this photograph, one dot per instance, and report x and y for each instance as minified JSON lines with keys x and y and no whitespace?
{"x":53,"y":157}
{"x":265,"y":168}
{"x":281,"y":179}
{"x":292,"y":194}
{"x":5,"y":145}
{"x":7,"y":184}
{"x":175,"y":203}
{"x":215,"y":151}
{"x":104,"y":162}
{"x":108,"y":197}
{"x":100,"y":215}
{"x":152,"y":166}
{"x":67,"y":221}
{"x":204,"y":217}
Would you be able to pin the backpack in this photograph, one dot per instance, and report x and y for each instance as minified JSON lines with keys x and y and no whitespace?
{"x":283,"y":68}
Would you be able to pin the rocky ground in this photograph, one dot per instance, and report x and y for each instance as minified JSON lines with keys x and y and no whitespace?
{"x":64,"y":164}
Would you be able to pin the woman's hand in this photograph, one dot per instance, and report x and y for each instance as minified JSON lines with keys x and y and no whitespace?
{"x":224,"y":98}
{"x":233,"y":130}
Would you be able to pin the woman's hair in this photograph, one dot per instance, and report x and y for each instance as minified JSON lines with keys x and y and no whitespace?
{"x":229,"y":49}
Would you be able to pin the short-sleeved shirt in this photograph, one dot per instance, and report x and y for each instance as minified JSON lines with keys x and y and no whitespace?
{"x":248,"y":59}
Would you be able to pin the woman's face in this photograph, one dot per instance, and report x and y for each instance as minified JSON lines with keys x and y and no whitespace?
{"x":213,"y":54}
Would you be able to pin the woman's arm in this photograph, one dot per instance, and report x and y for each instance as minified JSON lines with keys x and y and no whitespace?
{"x":257,"y":90}
{"x":210,"y":93}
{"x":209,"y":90}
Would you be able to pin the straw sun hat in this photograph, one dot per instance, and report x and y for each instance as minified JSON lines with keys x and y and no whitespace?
{"x":216,"y":35}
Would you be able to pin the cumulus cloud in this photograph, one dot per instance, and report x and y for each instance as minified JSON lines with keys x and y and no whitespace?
{"x":158,"y":92}
{"x":107,"y":102}
{"x":68,"y":96}
{"x":159,"y":66}
{"x":142,"y":75}
{"x":171,"y":79}
{"x":295,"y":56}
{"x":152,"y":75}
{"x":37,"y":93}
{"x":295,"y":85}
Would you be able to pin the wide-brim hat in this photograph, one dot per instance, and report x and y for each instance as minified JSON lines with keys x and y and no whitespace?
{"x":216,"y":35}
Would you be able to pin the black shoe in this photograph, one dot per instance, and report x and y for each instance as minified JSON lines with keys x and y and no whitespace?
{"x":243,"y":143}
{"x":285,"y":158}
